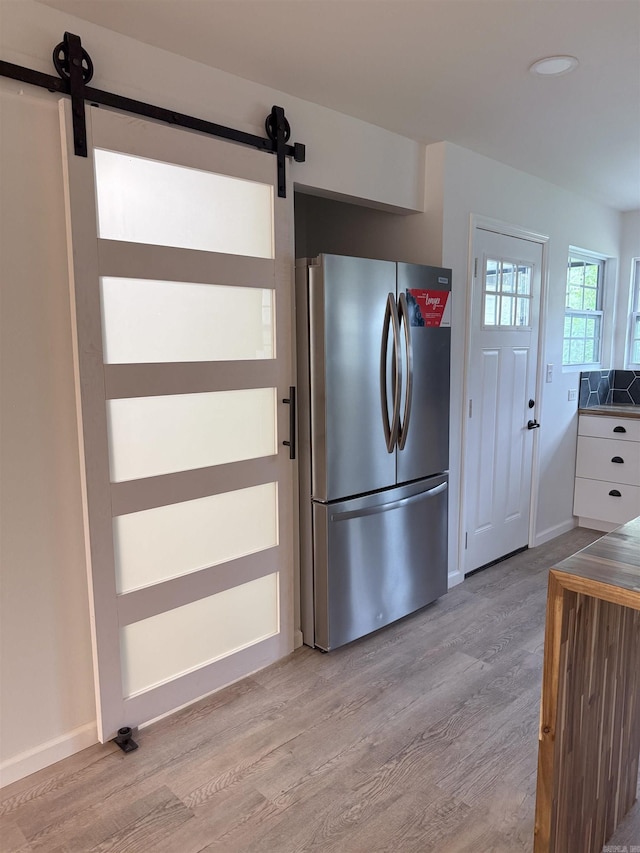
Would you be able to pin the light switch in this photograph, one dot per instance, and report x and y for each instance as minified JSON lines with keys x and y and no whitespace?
{"x":549,"y":373}
{"x":573,"y":394}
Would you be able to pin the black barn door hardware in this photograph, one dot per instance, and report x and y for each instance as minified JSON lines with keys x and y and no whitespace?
{"x":124,"y":739}
{"x":74,"y":65}
{"x":291,"y":400}
{"x":69,"y":58}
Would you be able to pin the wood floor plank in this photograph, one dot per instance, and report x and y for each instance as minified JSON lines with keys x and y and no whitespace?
{"x":135,"y":823}
{"x":420,"y":737}
{"x":414,"y":823}
{"x":12,"y":838}
{"x":229,"y":815}
{"x":143,"y":832}
{"x":51,"y":779}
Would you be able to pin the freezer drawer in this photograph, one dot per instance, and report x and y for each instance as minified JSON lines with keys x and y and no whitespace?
{"x":378,"y":558}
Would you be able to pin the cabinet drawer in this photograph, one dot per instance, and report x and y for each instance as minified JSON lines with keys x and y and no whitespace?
{"x":601,"y":427}
{"x":592,"y":500}
{"x":595,"y":455}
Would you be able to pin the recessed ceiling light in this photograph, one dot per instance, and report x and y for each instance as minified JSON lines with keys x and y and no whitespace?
{"x":553,"y":66}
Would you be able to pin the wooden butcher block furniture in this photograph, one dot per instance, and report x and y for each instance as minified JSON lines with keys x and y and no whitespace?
{"x":590,"y":711}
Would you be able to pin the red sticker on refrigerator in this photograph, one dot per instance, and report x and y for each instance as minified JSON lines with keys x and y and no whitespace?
{"x":429,"y":307}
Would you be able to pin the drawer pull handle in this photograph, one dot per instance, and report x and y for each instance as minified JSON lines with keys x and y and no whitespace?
{"x":618,"y":460}
{"x":619,"y":429}
{"x":615,"y":493}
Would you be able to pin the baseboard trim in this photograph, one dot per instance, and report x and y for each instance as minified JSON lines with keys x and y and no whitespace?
{"x":596,"y":524}
{"x":551,"y":532}
{"x":47,"y":753}
{"x":297,"y":639}
{"x":454,"y":578}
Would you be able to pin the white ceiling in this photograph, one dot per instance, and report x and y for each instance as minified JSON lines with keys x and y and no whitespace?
{"x":433,"y":70}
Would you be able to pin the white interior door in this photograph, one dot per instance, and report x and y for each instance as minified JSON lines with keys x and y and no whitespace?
{"x":181,"y":271}
{"x":502,"y":368}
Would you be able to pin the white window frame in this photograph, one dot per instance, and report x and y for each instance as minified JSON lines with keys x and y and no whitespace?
{"x":634,"y":314}
{"x":601,"y":261}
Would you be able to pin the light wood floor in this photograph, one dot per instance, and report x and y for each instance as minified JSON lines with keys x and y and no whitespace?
{"x":422,"y":737}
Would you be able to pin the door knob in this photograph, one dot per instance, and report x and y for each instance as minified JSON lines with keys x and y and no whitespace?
{"x":533,"y":425}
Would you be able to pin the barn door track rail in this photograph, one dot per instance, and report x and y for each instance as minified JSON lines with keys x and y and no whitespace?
{"x":75,"y":69}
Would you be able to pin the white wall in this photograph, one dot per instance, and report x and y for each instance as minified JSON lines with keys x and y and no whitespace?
{"x":46,"y":706}
{"x":47,"y":680}
{"x":630,"y":249}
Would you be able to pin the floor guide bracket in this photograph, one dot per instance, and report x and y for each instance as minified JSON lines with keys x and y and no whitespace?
{"x":124,"y":739}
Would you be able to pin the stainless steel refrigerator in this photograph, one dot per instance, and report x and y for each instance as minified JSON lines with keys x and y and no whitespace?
{"x":373,"y":349}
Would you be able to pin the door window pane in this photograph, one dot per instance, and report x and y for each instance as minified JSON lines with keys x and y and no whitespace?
{"x":158,"y":649}
{"x":507,"y":307}
{"x":508,"y":278}
{"x":158,"y":435}
{"x":522,"y":317}
{"x":165,"y":542}
{"x":156,"y":321}
{"x":524,"y":280}
{"x":147,"y":201}
{"x":490,"y":310}
{"x":506,"y":294}
{"x":491,"y":280}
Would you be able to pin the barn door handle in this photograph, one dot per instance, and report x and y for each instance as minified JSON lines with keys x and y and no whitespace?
{"x":291,"y":400}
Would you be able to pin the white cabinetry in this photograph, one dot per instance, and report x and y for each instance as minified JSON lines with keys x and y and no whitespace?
{"x":607,"y":489}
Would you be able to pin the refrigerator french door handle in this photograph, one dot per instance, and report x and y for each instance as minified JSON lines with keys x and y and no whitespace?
{"x":403,"y":425}
{"x":390,"y":319}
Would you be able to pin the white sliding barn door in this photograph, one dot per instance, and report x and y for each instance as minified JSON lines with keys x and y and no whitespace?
{"x":181,"y":267}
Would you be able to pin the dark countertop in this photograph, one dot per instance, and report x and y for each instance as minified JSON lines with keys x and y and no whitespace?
{"x":613,"y":559}
{"x":623,"y":411}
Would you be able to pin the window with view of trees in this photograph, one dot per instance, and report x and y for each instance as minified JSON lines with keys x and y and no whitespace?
{"x":634,"y":337}
{"x":583,"y":310}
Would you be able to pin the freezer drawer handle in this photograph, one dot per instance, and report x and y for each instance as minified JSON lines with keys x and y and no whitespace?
{"x":390,"y":429}
{"x":375,"y":510}
{"x":619,"y":429}
{"x":291,"y":400}
{"x":403,"y":312}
